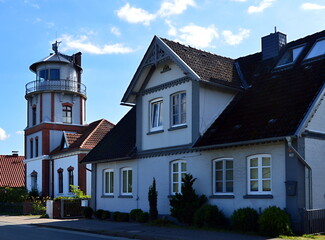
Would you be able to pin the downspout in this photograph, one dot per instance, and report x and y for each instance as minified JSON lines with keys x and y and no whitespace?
{"x":303,"y":161}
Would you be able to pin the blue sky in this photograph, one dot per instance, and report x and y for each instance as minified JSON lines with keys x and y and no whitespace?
{"x":114,"y":35}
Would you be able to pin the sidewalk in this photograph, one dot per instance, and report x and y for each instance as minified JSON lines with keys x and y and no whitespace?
{"x":127,"y":230}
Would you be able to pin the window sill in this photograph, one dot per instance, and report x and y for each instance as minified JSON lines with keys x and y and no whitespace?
{"x":222,"y":196}
{"x":125,"y":196}
{"x":258,"y":196}
{"x":177,"y":127}
{"x":155,"y":132}
{"x":107,"y":196}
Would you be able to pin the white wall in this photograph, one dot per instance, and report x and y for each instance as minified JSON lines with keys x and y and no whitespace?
{"x":199,"y":164}
{"x":34,"y":165}
{"x":315,"y":156}
{"x":212,"y":102}
{"x":65,"y":163}
{"x":166,"y":138}
{"x":318,"y":119}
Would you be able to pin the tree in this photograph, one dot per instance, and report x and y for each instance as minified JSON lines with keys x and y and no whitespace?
{"x":152,"y":197}
{"x":184,"y":204}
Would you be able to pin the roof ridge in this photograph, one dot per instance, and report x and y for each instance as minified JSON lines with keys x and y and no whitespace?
{"x":197,"y":49}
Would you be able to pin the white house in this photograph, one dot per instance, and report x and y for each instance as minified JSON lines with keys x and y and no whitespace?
{"x":57,"y":136}
{"x":251,"y":130}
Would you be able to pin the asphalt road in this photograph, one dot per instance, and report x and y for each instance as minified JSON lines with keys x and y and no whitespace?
{"x":30,"y":232}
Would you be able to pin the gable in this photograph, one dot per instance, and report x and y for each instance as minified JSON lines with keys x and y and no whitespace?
{"x":317,"y":120}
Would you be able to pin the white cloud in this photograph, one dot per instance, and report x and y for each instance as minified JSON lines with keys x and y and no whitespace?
{"x":83,"y":44}
{"x":115,"y":31}
{"x":174,"y":7}
{"x":172,"y":31}
{"x":260,"y":8}
{"x":238,"y":0}
{"x":20,"y":132}
{"x":135,"y":15}
{"x":30,"y":3}
{"x":3,"y":135}
{"x":198,"y":36}
{"x":312,"y":6}
{"x":235,"y":39}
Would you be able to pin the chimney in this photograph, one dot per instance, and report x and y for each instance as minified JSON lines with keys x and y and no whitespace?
{"x":15,"y":153}
{"x":77,"y":58}
{"x":272,"y":44}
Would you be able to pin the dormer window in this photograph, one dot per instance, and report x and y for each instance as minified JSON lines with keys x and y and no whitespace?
{"x":317,"y":50}
{"x":156,"y":118}
{"x":49,"y":74}
{"x":290,"y":56}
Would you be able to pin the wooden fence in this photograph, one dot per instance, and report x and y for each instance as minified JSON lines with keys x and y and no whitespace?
{"x":314,"y":221}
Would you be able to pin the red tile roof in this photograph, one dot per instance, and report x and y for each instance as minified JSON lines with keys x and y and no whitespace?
{"x":88,"y":137}
{"x":12,"y":171}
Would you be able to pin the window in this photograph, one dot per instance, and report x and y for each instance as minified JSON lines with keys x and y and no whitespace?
{"x":156,"y":114}
{"x":34,"y":115}
{"x":290,"y":56}
{"x":126,"y":181}
{"x":49,"y":74}
{"x":31,"y":148}
{"x":259,"y":174}
{"x":109,"y":182}
{"x":317,"y":50}
{"x":36,"y":147}
{"x":178,"y":105}
{"x":66,"y":114}
{"x":33,"y":183}
{"x":70,"y":177}
{"x":178,"y":170}
{"x":60,"y":180}
{"x":223,"y":176}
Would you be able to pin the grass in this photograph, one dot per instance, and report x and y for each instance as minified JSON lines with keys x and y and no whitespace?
{"x":305,"y":237}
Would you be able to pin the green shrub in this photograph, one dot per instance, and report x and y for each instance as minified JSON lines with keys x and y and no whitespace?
{"x":99,"y":213}
{"x":106,"y":215}
{"x":244,"y":219}
{"x":134,"y":213}
{"x":274,"y":222}
{"x":88,"y":212}
{"x":123,"y":217}
{"x":142,"y":217}
{"x":115,"y":215}
{"x":152,"y":198}
{"x":183,"y":205}
{"x":209,"y":216}
{"x":13,"y":195}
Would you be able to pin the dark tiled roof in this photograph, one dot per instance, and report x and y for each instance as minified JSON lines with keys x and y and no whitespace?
{"x":12,"y":171}
{"x":119,"y":143}
{"x":87,"y":138}
{"x":210,"y":67}
{"x":275,"y":104}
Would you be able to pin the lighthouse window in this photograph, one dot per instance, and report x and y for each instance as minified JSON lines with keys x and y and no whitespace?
{"x":49,"y":74}
{"x":67,"y":114}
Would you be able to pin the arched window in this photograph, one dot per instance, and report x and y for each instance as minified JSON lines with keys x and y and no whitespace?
{"x":108,"y":182}
{"x":67,"y":113}
{"x":259,"y":175}
{"x":178,"y":170}
{"x":126,"y":174}
{"x":70,"y":177}
{"x":60,"y":180}
{"x":33,"y":181}
{"x":223,"y":176}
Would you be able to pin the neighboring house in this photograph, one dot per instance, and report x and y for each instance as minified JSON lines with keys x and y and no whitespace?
{"x":12,"y":170}
{"x":57,"y":137}
{"x":250,"y":130}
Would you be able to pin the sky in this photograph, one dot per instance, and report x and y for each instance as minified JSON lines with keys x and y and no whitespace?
{"x":113,"y":36}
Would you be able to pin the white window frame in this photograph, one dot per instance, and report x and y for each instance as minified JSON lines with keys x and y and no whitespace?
{"x":316,"y":48}
{"x":260,"y":179}
{"x":129,"y":182}
{"x":177,"y":110}
{"x":223,"y":179}
{"x":110,"y":184}
{"x":177,"y":176}
{"x":156,"y":121}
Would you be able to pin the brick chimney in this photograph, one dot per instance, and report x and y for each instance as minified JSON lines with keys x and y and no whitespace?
{"x":272,"y":44}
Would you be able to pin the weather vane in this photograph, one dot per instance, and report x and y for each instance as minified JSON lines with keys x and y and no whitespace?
{"x":55,"y":46}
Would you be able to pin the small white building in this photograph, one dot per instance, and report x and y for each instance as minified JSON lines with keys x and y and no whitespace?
{"x":57,"y":136}
{"x":250,"y":130}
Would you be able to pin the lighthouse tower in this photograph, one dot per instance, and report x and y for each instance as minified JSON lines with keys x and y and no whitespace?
{"x":55,"y":104}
